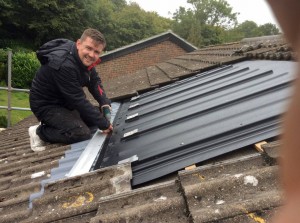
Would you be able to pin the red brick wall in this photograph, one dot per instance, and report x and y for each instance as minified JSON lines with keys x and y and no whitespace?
{"x":128,"y":64}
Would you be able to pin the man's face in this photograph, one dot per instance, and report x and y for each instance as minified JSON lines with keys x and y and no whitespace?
{"x":89,"y":50}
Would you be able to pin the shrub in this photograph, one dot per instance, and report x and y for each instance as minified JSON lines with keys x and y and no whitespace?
{"x":3,"y":55}
{"x":3,"y":122}
{"x":24,"y":67}
{"x":3,"y":59}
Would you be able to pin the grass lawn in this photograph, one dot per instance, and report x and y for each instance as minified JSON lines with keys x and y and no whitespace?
{"x":18,"y":99}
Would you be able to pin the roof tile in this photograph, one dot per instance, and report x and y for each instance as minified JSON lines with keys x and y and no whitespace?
{"x":79,"y":195}
{"x":159,"y":203}
{"x":228,"y":189}
{"x":156,"y":75}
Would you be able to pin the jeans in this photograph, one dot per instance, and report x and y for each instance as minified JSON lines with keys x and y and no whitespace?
{"x":60,"y":125}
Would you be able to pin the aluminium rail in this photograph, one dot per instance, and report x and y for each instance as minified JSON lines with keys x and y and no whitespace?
{"x":9,"y":89}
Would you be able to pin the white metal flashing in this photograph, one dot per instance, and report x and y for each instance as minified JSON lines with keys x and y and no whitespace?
{"x":87,"y":157}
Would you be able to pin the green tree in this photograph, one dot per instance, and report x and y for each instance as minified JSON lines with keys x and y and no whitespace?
{"x":214,"y":12}
{"x":132,"y":24}
{"x":187,"y":26}
{"x":232,"y":35}
{"x":248,"y":29}
{"x":41,"y":21}
{"x":204,"y":23}
{"x":268,"y":29}
{"x":212,"y":35}
{"x":101,"y":16}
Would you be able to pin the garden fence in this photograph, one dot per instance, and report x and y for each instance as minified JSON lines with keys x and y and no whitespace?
{"x":9,"y":90}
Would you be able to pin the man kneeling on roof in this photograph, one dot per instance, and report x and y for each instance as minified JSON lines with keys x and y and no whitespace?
{"x":57,"y":98}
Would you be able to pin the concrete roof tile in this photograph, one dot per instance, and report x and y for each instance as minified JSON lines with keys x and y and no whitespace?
{"x":79,"y":195}
{"x":258,"y":203}
{"x":257,"y":216}
{"x":128,"y":85}
{"x":158,"y":203}
{"x":156,"y":76}
{"x":16,"y":216}
{"x":191,"y":64}
{"x":232,"y":188}
{"x":173,"y":71}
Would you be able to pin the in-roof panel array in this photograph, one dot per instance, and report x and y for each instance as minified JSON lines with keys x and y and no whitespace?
{"x":200,"y":118}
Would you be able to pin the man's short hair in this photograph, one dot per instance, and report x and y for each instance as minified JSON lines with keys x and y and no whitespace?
{"x":94,"y":34}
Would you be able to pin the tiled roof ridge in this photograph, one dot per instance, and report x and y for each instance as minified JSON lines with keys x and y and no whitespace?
{"x":221,"y":44}
{"x":278,"y":37}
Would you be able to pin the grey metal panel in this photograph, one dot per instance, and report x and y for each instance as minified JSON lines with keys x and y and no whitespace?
{"x":199,"y":118}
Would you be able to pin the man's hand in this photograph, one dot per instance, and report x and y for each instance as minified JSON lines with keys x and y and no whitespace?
{"x":106,"y":131}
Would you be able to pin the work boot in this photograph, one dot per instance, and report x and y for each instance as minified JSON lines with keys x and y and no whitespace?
{"x":36,"y":143}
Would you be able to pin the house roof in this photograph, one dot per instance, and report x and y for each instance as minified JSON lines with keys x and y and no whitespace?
{"x":169,"y":35}
{"x":201,"y":60}
{"x":240,"y":186}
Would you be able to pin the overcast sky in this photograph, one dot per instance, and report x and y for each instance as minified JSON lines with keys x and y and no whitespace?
{"x":253,"y":10}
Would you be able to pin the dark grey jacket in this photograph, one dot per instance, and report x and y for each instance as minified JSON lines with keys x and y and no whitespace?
{"x":59,"y":82}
